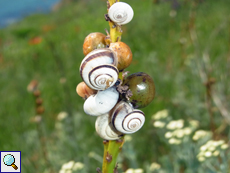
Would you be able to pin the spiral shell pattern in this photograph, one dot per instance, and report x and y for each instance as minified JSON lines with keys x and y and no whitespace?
{"x":121,"y":13}
{"x":98,"y":69}
{"x":104,"y":129}
{"x":127,"y":120}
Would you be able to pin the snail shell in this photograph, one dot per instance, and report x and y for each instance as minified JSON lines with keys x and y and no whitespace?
{"x":102,"y":102}
{"x":84,"y":91}
{"x":121,"y":13}
{"x":93,"y":41}
{"x":125,"y":119}
{"x":98,"y":69}
{"x":124,"y":54}
{"x":104,"y":129}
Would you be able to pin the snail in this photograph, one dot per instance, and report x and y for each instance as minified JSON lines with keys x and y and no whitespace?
{"x":125,"y":119}
{"x":102,"y":102}
{"x":124,"y":54}
{"x":93,"y":41}
{"x":98,"y":69}
{"x":84,"y":91}
{"x":142,"y":87}
{"x":104,"y":130}
{"x":120,"y":13}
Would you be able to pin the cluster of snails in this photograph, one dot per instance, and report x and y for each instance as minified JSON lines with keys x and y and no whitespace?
{"x":115,"y":102}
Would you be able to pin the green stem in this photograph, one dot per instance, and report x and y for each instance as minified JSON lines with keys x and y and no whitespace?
{"x":115,"y":30}
{"x":111,"y":151}
{"x":112,"y":148}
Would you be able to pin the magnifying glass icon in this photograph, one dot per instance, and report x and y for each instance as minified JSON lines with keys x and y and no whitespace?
{"x":9,"y":160}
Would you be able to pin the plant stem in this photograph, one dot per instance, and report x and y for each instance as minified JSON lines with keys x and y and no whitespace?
{"x":111,"y":151}
{"x":115,"y":30}
{"x":112,"y":148}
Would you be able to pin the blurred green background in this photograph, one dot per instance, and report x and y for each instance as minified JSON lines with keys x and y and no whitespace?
{"x":183,"y":45}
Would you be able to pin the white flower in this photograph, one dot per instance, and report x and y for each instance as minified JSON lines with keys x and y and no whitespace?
{"x":78,"y":166}
{"x":179,"y":133}
{"x":211,"y":148}
{"x":208,"y":154}
{"x":203,"y":148}
{"x":201,"y":159}
{"x":159,"y":124}
{"x":194,"y":123}
{"x":200,"y":134}
{"x":177,"y":124}
{"x":68,"y":165}
{"x":130,"y":170}
{"x":216,"y":153}
{"x":154,"y":166}
{"x":220,"y":142}
{"x":224,"y":146}
{"x":187,"y":131}
{"x":160,"y":114}
{"x":174,"y":141}
{"x":61,"y":116}
{"x":168,"y":135}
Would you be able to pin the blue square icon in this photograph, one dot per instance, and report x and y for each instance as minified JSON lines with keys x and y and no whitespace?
{"x":10,"y":161}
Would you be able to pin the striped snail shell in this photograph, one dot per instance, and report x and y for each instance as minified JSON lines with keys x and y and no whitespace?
{"x":104,"y":129}
{"x":121,"y":13}
{"x":125,"y":119}
{"x":102,"y":102}
{"x":98,"y":69}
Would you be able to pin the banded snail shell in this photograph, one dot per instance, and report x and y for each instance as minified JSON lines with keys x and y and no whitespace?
{"x":125,"y":119}
{"x":104,"y":129}
{"x":102,"y":102}
{"x":98,"y":69}
{"x":121,"y":13}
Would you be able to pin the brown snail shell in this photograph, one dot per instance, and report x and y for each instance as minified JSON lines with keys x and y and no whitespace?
{"x":93,"y":41}
{"x":124,"y":54}
{"x":84,"y":91}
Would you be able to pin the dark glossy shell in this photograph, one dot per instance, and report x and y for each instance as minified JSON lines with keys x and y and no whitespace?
{"x":142,"y":87}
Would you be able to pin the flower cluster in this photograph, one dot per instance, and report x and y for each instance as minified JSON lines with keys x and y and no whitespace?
{"x":211,"y":149}
{"x":175,"y":129}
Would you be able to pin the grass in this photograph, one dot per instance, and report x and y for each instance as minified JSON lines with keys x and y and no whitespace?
{"x":172,"y":49}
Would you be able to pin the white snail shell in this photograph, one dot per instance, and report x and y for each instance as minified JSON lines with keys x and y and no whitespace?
{"x":98,"y":69}
{"x":121,"y":13}
{"x":104,"y":130}
{"x":125,"y":119}
{"x":102,"y":102}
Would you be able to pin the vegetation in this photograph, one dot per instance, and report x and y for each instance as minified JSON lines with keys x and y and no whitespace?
{"x":184,"y":47}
